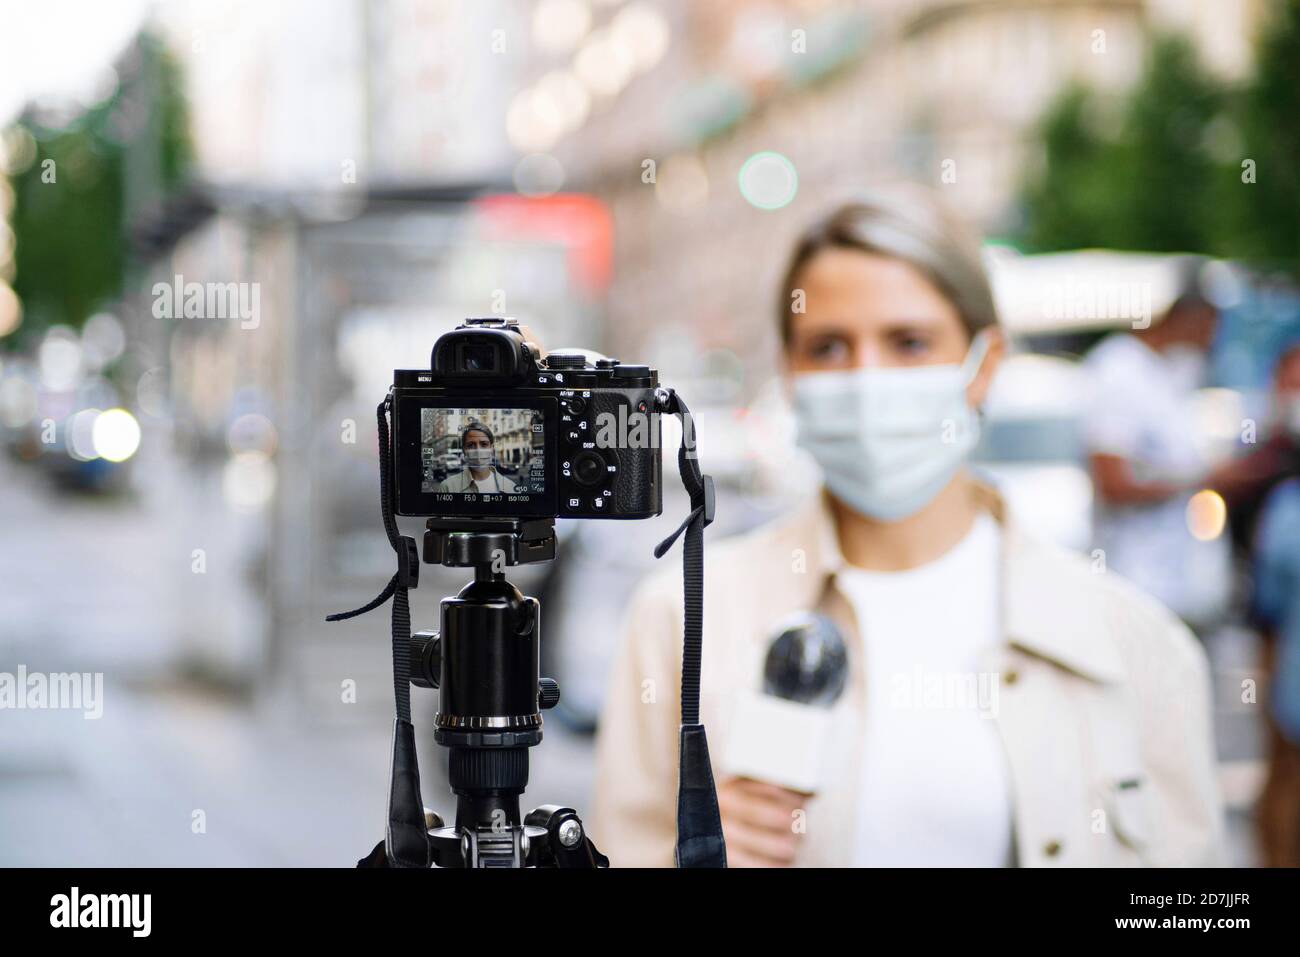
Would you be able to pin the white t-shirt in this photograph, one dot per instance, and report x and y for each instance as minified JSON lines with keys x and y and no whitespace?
{"x":935,"y":789}
{"x":1140,"y":408}
{"x":495,"y":482}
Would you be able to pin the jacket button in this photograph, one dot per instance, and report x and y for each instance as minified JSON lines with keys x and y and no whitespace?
{"x":1052,"y":848}
{"x":1011,"y":677}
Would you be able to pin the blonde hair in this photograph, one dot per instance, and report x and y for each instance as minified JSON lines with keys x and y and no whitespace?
{"x":912,"y":226}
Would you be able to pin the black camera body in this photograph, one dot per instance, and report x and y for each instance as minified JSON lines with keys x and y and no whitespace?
{"x":492,"y":429}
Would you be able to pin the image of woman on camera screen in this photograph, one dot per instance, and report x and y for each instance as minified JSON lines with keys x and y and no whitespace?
{"x":1088,"y":740}
{"x":478,"y":446}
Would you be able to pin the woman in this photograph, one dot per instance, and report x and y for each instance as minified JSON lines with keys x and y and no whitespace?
{"x":480,"y":474}
{"x":1092,"y":745}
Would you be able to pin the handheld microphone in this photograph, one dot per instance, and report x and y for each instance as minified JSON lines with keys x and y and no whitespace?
{"x":779,"y":735}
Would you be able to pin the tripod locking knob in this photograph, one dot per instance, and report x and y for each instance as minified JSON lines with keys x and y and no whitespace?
{"x":548,"y":693}
{"x":426,"y":659}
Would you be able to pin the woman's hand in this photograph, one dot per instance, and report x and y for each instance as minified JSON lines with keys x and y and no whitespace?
{"x":758,"y":822}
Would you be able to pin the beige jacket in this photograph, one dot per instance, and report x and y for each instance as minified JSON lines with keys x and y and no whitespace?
{"x":1103,"y":704}
{"x":463,"y":481}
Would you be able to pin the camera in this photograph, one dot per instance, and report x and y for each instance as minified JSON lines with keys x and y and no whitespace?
{"x":493,"y":429}
{"x":493,"y":443}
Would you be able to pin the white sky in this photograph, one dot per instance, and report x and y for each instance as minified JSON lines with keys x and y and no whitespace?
{"x":60,"y":48}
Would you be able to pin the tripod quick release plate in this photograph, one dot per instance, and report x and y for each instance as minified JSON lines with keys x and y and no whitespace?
{"x":467,"y":542}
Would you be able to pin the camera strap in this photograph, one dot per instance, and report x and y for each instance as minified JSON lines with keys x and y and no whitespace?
{"x":699,"y":824}
{"x":406,"y":841}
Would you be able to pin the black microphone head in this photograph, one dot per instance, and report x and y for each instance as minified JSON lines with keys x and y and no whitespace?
{"x":807,"y":661}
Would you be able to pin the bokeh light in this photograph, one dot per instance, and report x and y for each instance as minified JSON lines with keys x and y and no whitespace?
{"x":17,"y":402}
{"x":11,"y":310}
{"x":533,"y":123}
{"x":252,"y":432}
{"x":151,"y":392}
{"x":559,"y":25}
{"x":60,"y":359}
{"x":538,"y":174}
{"x":604,"y":64}
{"x":563,"y":93}
{"x":248,"y":481}
{"x":81,"y":435}
{"x":642,"y":29}
{"x":768,"y":180}
{"x":1207,"y":514}
{"x":102,"y":340}
{"x":115,"y":435}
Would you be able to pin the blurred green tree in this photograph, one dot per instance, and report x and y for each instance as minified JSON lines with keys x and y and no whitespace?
{"x":1163,"y":168}
{"x":73,"y":203}
{"x":1266,"y":213}
{"x":67,"y":223}
{"x":1148,"y":182}
{"x":1066,"y":199}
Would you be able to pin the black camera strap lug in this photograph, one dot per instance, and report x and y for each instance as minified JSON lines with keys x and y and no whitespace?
{"x":408,"y":563}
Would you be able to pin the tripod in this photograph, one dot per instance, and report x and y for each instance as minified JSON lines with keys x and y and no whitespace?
{"x":484,"y":662}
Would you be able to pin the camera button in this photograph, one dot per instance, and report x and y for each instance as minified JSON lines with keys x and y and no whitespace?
{"x":589,"y":468}
{"x":575,"y":503}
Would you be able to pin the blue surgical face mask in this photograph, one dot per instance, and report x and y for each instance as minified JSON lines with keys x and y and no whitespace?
{"x":888,"y":440}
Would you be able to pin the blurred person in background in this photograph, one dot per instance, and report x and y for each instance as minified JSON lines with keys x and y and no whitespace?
{"x":1146,"y":464}
{"x":1096,"y":747}
{"x":1247,"y":482}
{"x":1276,"y":611}
{"x":480,"y":473}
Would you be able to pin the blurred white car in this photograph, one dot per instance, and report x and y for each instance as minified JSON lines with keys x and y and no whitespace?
{"x":1031,"y":446}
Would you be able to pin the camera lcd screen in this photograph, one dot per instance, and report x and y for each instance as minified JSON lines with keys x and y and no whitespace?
{"x":482,"y":454}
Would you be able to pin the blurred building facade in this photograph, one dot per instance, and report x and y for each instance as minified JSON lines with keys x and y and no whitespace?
{"x":326,"y":95}
{"x":654,"y":107}
{"x":855,"y":95}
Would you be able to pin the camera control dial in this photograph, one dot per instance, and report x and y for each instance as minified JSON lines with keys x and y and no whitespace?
{"x":589,"y":468}
{"x":566,"y":360}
